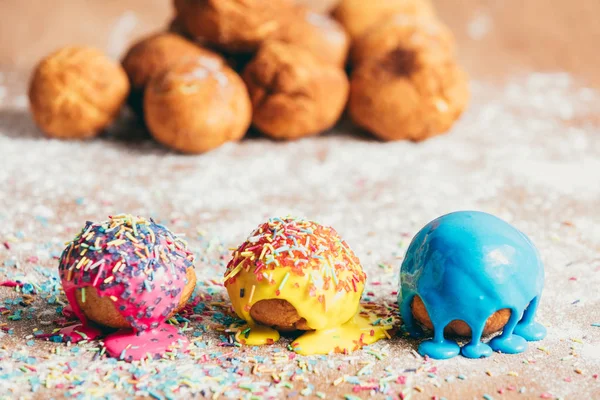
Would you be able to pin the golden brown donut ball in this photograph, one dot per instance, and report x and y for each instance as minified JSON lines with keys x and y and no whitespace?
{"x":294,"y":94}
{"x":494,"y":323}
{"x":102,"y":310}
{"x":320,"y":6}
{"x":153,"y":55}
{"x":76,"y":92}
{"x":233,"y":25}
{"x":358,"y":16}
{"x":402,"y":31}
{"x":197,"y":105}
{"x":320,"y":34}
{"x":408,"y":94}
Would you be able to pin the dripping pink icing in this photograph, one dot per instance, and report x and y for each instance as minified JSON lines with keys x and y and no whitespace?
{"x":68,"y":312}
{"x":141,"y":266}
{"x":79,"y":332}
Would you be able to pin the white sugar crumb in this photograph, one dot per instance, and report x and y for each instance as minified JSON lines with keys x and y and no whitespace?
{"x":210,"y":63}
{"x":327,"y":25}
{"x":527,"y":151}
{"x":480,"y":26}
{"x":198,"y":73}
{"x":319,"y":20}
{"x":120,"y":35}
{"x":209,"y":67}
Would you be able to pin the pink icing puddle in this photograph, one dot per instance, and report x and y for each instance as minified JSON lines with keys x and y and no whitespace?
{"x":129,"y":345}
{"x":126,"y":344}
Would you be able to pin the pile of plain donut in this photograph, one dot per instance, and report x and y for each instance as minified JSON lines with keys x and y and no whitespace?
{"x":278,"y":65}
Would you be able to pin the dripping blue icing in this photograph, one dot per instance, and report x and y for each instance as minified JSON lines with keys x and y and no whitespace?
{"x":466,"y":266}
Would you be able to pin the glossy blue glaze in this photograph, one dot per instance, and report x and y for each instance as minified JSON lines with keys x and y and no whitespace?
{"x":466,"y":266}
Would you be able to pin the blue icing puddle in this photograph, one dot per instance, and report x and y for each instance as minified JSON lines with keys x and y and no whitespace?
{"x":466,"y":266}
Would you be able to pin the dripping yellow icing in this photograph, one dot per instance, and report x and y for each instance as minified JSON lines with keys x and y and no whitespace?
{"x":254,"y":334}
{"x":309,"y":266}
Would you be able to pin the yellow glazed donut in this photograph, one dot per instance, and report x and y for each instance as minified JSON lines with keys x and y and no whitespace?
{"x":293,"y":274}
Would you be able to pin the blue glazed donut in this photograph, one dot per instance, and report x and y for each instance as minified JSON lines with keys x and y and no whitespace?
{"x":466,"y":266}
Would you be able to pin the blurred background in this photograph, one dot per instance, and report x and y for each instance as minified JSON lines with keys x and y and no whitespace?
{"x":496,"y":38}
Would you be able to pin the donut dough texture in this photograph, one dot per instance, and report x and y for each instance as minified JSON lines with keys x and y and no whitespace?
{"x":197,"y":106}
{"x":405,"y":32}
{"x":408,"y":94}
{"x":358,"y":16}
{"x":233,"y":25}
{"x":76,"y":92}
{"x":102,"y":311}
{"x":278,"y":314}
{"x":152,"y":55}
{"x":293,"y":93}
{"x":320,"y":34}
{"x":494,"y":323}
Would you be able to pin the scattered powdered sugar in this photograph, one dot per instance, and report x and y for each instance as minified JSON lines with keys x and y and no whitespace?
{"x":327,"y":25}
{"x":120,"y":35}
{"x":528,"y":152}
{"x":208,"y":67}
{"x":318,"y":19}
{"x":198,"y":73}
{"x":212,"y":64}
{"x":480,"y":25}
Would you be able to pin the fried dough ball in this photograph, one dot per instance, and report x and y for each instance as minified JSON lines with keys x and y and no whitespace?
{"x":320,"y":34}
{"x":233,"y":25}
{"x":76,"y":92}
{"x":197,"y":106}
{"x":293,"y":93}
{"x":358,"y":16}
{"x":404,"y":32}
{"x":154,"y":54}
{"x":409,"y":94}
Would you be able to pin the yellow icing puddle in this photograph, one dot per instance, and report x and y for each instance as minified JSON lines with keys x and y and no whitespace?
{"x":348,"y":337}
{"x":256,"y":335}
{"x":351,"y":336}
